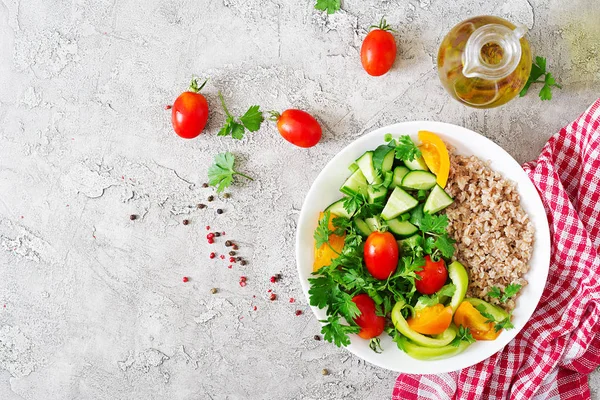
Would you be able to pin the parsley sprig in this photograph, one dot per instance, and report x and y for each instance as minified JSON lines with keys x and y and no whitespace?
{"x":538,"y":70}
{"x":331,"y":6}
{"x":404,"y":147}
{"x":221,"y":173}
{"x":251,"y":120}
{"x":498,"y":325}
{"x":435,"y":239}
{"x":509,"y":292}
{"x":464,"y":335}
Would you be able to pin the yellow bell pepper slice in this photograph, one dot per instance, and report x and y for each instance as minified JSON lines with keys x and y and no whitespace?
{"x":325,"y":254}
{"x":435,"y":155}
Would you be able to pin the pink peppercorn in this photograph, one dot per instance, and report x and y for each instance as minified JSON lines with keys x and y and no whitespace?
{"x":243,"y":278}
{"x":292,"y":300}
{"x":254,"y":308}
{"x":272,"y":297}
{"x":222,"y":257}
{"x":269,"y":291}
{"x":231,"y":259}
{"x":212,"y":255}
{"x":168,"y":107}
{"x":298,"y":312}
{"x":242,"y":283}
{"x":273,"y":280}
{"x":207,"y":228}
{"x":211,"y":241}
{"x":229,"y":266}
{"x":210,"y":235}
{"x":185,"y":279}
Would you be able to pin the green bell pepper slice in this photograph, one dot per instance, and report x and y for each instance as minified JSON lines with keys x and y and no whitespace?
{"x":460,"y":279}
{"x":430,"y":353}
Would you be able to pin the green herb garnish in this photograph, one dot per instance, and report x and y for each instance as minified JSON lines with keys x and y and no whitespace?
{"x":221,"y":173}
{"x":251,"y":120}
{"x":331,"y":6}
{"x":538,"y":70}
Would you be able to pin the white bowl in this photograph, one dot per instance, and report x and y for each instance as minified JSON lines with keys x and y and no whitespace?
{"x":324,"y":191}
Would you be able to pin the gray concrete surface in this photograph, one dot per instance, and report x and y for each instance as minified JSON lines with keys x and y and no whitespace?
{"x":92,"y":305}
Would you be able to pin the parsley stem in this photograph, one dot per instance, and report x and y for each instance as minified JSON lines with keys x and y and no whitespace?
{"x":332,"y":249}
{"x":245,"y":176}
{"x":226,"y":112}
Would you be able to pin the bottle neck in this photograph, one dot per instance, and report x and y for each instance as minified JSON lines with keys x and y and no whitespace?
{"x":492,"y":52}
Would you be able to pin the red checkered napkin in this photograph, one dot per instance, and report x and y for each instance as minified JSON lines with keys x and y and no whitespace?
{"x":552,"y":356}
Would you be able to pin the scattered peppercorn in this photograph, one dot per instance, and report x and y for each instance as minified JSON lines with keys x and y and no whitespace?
{"x":223,"y":257}
{"x":228,"y":243}
{"x":239,"y":258}
{"x":278,"y":276}
{"x":219,"y":211}
{"x":235,"y":246}
{"x":201,"y":206}
{"x":227,"y":195}
{"x":243,"y":262}
{"x":231,"y":259}
{"x":212,"y":255}
{"x":213,"y":290}
{"x":317,"y":338}
{"x":211,"y":241}
{"x":232,"y":253}
{"x":325,"y":372}
{"x":254,"y":308}
{"x":217,"y":234}
{"x":208,"y":227}
{"x":298,"y":312}
{"x":133,"y":217}
{"x":185,"y":279}
{"x":273,"y":280}
{"x":205,"y":185}
{"x":242,"y":283}
{"x":168,"y":107}
{"x":186,"y":221}
{"x":211,"y":198}
{"x":292,"y":300}
{"x":272,"y":297}
{"x":210,"y":235}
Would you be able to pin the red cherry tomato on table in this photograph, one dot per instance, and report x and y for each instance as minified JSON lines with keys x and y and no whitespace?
{"x":190,"y":112}
{"x":298,"y":127}
{"x":381,"y":254}
{"x":433,"y":276}
{"x":371,"y":325}
{"x":378,"y":51}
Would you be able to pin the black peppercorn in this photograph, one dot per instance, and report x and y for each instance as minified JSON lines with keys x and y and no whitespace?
{"x":186,"y":221}
{"x":211,"y":198}
{"x":227,"y":195}
{"x":232,"y":253}
{"x":205,"y":185}
{"x":219,"y":211}
{"x":217,"y":234}
{"x":243,"y":262}
{"x":133,"y":217}
{"x":201,"y":206}
{"x":235,"y":247}
{"x":317,"y":337}
{"x":228,"y":243}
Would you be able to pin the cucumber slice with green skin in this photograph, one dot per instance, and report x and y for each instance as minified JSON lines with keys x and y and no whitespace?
{"x":376,"y":195}
{"x":338,"y":209}
{"x":458,"y":276}
{"x":402,"y":228}
{"x":399,"y":173}
{"x":373,"y":223}
{"x":495,"y":311}
{"x":365,"y":163}
{"x":437,"y":200}
{"x":362,"y":227}
{"x":388,"y":161}
{"x":419,"y":180}
{"x":402,"y":326}
{"x":353,"y":167}
{"x":431,"y":353}
{"x":418,"y":164}
{"x":398,"y":203}
{"x":356,"y":183}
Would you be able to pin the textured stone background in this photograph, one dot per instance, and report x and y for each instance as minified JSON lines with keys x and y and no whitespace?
{"x":92,"y":305}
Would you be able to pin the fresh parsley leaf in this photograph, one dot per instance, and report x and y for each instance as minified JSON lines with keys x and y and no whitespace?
{"x":331,"y":6}
{"x":375,"y":345}
{"x":482,"y":310}
{"x":494,"y":292}
{"x":322,"y":232}
{"x":504,"y":324}
{"x":444,"y":244}
{"x":341,"y":225}
{"x":354,"y":203}
{"x":431,"y":223}
{"x":346,"y":306}
{"x":251,"y":120}
{"x":416,"y":215}
{"x":429,"y":245}
{"x":464,"y":335}
{"x":429,"y":301}
{"x":406,"y":149}
{"x":538,"y":69}
{"x":510,"y":291}
{"x":221,"y":173}
{"x":334,"y":332}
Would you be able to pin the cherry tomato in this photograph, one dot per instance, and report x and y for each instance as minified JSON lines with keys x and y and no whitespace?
{"x":381,"y":254}
{"x":378,"y":51}
{"x":433,"y":276}
{"x":298,"y":127}
{"x":371,"y":325}
{"x":190,"y":112}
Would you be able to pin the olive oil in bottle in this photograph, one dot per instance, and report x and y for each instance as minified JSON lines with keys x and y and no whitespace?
{"x":484,"y":61}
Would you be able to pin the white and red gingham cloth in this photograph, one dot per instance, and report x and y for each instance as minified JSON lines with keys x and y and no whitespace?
{"x":557,"y":349}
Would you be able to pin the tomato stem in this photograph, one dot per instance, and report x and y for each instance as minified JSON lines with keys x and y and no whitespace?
{"x":383,"y":25}
{"x":274,"y":116}
{"x":223,"y":104}
{"x":194,"y":85}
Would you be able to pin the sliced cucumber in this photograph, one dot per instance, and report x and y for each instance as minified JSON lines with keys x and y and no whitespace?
{"x":338,"y":209}
{"x":398,"y":203}
{"x":388,"y":161}
{"x":365,"y":163}
{"x":419,"y":180}
{"x":373,"y":223}
{"x":362,"y":227}
{"x":353,"y":167}
{"x":438,"y":200}
{"x":399,"y":173}
{"x":376,"y":195}
{"x":356,"y":183}
{"x":418,"y":164}
{"x":402,"y":228}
